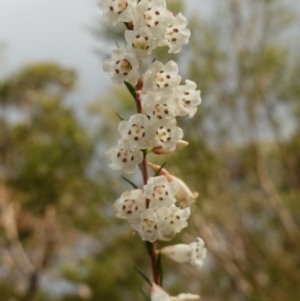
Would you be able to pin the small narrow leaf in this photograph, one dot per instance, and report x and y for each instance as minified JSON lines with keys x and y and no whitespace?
{"x":144,"y":152}
{"x":120,"y":117}
{"x":130,"y":89}
{"x":161,"y":167}
{"x":131,"y":183}
{"x":149,"y":247}
{"x":146,"y":297}
{"x":143,"y":275}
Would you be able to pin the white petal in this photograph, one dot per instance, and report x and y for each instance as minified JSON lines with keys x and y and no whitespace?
{"x":179,"y":252}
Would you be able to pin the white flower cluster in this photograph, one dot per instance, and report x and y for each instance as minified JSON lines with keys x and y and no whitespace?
{"x":160,"y":97}
{"x":152,"y":211}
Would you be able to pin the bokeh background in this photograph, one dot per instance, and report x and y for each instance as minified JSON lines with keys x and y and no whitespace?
{"x":59,"y":239}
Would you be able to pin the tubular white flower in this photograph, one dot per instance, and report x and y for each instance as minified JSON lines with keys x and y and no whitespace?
{"x":130,"y":205}
{"x":176,"y":34}
{"x":194,"y":253}
{"x":124,"y":157}
{"x":159,"y":108}
{"x":115,"y":11}
{"x":158,"y":294}
{"x":160,"y":192}
{"x":140,"y":42}
{"x":161,"y":78}
{"x":137,"y":130}
{"x":167,"y":135}
{"x":149,"y":225}
{"x":153,"y":15}
{"x":175,"y":220}
{"x":122,"y":66}
{"x":184,"y":194}
{"x":187,"y":98}
{"x":179,"y":253}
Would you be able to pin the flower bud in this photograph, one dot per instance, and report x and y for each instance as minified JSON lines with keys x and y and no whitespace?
{"x":180,"y":144}
{"x":194,"y":253}
{"x":179,"y":252}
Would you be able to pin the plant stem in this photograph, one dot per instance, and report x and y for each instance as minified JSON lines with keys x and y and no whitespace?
{"x":153,"y":256}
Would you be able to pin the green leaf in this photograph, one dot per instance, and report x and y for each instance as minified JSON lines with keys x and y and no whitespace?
{"x":149,"y":247}
{"x":128,"y":181}
{"x":131,"y":89}
{"x":146,"y":297}
{"x":143,"y":275}
{"x":161,"y":167}
{"x":159,"y":268}
{"x":120,"y":117}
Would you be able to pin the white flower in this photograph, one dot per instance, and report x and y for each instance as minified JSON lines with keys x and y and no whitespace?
{"x":140,"y":42}
{"x":122,"y":66}
{"x":149,"y":225}
{"x":137,"y":130}
{"x":184,"y":194}
{"x":187,"y":99}
{"x":175,"y":220}
{"x":167,"y":135}
{"x":176,"y":34}
{"x":153,"y":15}
{"x":194,"y":253}
{"x":130,"y":205}
{"x":161,"y":78}
{"x":160,"y":192}
{"x":158,"y":294}
{"x":115,"y":11}
{"x":125,"y":156}
{"x":160,"y":108}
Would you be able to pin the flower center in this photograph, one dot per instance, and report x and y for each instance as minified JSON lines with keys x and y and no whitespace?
{"x":129,"y":206}
{"x":149,"y":226}
{"x":118,"y":6}
{"x":163,"y":134}
{"x":162,"y":79}
{"x":141,"y":42}
{"x":161,"y":110}
{"x":125,"y":155}
{"x":137,"y":132}
{"x":172,"y":34}
{"x":151,"y":17}
{"x":123,"y":67}
{"x":160,"y":192}
{"x":185,"y":102}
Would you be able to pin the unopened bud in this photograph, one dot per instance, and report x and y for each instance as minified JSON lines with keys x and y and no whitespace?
{"x":180,"y":144}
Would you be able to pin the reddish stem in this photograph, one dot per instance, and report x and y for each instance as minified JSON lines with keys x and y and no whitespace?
{"x":153,"y":256}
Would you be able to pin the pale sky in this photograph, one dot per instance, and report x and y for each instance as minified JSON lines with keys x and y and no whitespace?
{"x":55,"y":30}
{"x":39,"y":30}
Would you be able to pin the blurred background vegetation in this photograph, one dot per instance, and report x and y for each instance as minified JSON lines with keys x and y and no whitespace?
{"x":59,"y":239}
